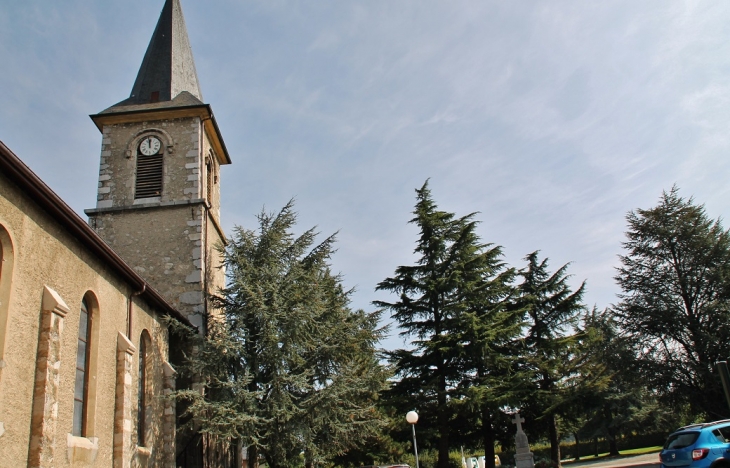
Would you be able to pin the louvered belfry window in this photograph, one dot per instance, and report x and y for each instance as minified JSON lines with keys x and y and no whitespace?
{"x":149,"y":175}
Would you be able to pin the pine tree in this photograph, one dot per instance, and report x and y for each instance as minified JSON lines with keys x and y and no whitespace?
{"x":456,"y":281}
{"x":675,"y":279}
{"x":552,"y":358}
{"x":489,"y":327}
{"x":286,"y":366}
{"x":624,"y":403}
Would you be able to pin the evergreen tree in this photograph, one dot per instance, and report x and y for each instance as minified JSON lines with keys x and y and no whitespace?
{"x":676,"y":300}
{"x":622,"y":403}
{"x":456,"y":280}
{"x":554,"y":354}
{"x":489,"y":328}
{"x":286,"y":367}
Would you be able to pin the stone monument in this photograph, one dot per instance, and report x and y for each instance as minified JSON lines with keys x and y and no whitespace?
{"x":523,"y":458}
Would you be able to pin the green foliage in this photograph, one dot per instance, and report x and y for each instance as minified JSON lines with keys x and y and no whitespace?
{"x":489,"y":328}
{"x":286,"y":366}
{"x":624,"y":405}
{"x":429,"y":459}
{"x":628,"y":444}
{"x":379,"y":448}
{"x":675,"y":301}
{"x":546,"y":463}
{"x":555,"y":364}
{"x":451,"y":303}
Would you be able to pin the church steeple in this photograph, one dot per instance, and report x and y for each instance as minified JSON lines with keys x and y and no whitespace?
{"x":168,"y":67}
{"x":158,"y":201}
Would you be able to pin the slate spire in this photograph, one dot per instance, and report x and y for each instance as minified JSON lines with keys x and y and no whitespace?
{"x":168,"y":67}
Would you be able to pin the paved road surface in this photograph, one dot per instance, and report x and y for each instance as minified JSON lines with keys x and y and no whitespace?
{"x":638,"y":461}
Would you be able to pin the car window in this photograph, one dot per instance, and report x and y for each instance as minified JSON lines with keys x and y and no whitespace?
{"x":720,"y":438}
{"x":681,"y":440}
{"x":724,"y":432}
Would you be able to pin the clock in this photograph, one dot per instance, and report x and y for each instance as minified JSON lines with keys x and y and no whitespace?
{"x":150,"y":145}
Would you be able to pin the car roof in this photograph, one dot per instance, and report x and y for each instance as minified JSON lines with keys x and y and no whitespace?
{"x":701,"y":426}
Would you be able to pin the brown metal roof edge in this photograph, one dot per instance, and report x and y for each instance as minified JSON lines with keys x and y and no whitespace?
{"x":101,"y":116}
{"x":16,"y":170}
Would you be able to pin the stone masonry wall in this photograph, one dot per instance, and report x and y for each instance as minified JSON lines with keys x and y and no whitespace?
{"x":47,"y":377}
{"x":181,"y":139}
{"x":164,"y":245}
{"x":168,"y":239}
{"x":215,"y":192}
{"x":216,"y":273}
{"x":124,"y":446}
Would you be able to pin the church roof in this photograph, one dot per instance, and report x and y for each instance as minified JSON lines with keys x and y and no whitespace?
{"x":167,"y":83}
{"x":168,"y":67}
{"x":184,"y":99}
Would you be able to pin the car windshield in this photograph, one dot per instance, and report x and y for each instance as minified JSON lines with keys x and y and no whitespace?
{"x":681,"y":440}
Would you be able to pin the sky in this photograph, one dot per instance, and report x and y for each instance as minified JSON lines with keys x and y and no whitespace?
{"x":551,"y":119}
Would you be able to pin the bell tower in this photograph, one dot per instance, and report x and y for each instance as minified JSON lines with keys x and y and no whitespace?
{"x":158,"y":203}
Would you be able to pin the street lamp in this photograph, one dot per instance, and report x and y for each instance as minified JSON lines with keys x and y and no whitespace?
{"x":412,"y":418}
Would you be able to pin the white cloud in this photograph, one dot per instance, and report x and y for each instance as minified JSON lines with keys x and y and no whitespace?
{"x":552,"y":119}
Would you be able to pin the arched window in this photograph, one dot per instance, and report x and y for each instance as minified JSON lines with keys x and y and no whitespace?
{"x":209,"y":179}
{"x":85,"y":382}
{"x":143,"y":389}
{"x":6,"y":270}
{"x":81,"y":388}
{"x":149,"y":168}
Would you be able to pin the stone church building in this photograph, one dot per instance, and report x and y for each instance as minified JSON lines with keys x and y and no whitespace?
{"x":85,"y":352}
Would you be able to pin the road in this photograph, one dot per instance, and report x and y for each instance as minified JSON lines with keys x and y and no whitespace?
{"x":649,"y":460}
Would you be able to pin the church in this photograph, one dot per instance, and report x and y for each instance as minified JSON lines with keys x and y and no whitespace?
{"x":86,"y":357}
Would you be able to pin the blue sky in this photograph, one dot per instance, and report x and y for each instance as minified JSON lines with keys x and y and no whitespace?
{"x":551,"y":119}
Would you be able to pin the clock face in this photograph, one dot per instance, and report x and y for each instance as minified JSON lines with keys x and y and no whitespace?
{"x":149,"y":146}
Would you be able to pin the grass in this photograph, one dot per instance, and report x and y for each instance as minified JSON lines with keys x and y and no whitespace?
{"x":641,"y":451}
{"x":623,"y":453}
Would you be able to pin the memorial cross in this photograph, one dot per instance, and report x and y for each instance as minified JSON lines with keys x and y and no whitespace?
{"x":518,"y":420}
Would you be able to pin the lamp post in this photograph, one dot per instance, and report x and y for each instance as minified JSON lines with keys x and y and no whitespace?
{"x":412,"y":418}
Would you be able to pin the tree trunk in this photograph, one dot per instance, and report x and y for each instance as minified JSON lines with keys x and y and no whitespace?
{"x":554,"y":439}
{"x":253,"y":457}
{"x":612,"y":446}
{"x":252,"y":354}
{"x":610,"y":432}
{"x":577,"y":446}
{"x":488,"y":433}
{"x":443,"y":424}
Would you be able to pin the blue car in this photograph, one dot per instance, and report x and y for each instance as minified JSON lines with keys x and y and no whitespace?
{"x":698,"y":446}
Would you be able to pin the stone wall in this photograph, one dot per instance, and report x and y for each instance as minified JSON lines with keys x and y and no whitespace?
{"x":165,"y":246}
{"x":181,"y":139}
{"x":215,"y":271}
{"x":209,"y":155}
{"x":169,"y":240}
